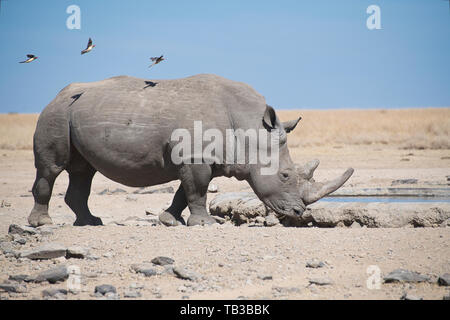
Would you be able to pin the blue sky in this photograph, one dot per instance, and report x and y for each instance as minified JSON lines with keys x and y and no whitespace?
{"x":298,"y":54}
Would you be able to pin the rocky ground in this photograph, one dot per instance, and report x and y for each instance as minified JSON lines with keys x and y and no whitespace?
{"x":222,"y":261}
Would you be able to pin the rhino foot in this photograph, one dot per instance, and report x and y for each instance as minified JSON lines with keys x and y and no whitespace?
{"x":170,"y":220}
{"x":91,"y":221}
{"x":37,"y":219}
{"x":197,"y":219}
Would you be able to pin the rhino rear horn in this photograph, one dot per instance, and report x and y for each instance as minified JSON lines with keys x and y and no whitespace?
{"x":314,"y":191}
{"x":290,"y":125}
{"x":307,"y":171}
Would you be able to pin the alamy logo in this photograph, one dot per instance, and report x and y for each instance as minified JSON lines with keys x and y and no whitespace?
{"x":374,"y":279}
{"x":240,"y":147}
{"x":74,"y":20}
{"x":374,"y":20}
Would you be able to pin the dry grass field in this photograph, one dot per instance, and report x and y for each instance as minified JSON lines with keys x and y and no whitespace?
{"x":426,"y":128}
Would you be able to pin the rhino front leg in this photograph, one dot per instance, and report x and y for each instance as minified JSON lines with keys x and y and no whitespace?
{"x":195,"y":179}
{"x":172,"y":216}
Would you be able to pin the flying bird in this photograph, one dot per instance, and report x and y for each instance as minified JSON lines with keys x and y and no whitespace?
{"x":89,"y":47}
{"x":156,"y":60}
{"x":30,"y":58}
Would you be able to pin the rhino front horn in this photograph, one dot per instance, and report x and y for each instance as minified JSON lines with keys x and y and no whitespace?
{"x":313,"y":191}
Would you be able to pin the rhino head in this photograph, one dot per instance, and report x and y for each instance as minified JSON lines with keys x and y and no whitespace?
{"x":290,"y":189}
{"x":279,"y":190}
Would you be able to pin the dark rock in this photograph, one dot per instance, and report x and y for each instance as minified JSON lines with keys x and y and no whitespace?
{"x":321,"y":281}
{"x":402,"y":275}
{"x":53,"y":275}
{"x":144,"y":268}
{"x":162,"y":261}
{"x":111,"y":192}
{"x":265,"y":277}
{"x":20,"y":278}
{"x":53,"y":292}
{"x":104,"y":289}
{"x":46,"y":251}
{"x":132,"y":294}
{"x":21,"y":230}
{"x":444,"y":280}
{"x":185,"y":274}
{"x":404,"y":181}
{"x":13,"y":287}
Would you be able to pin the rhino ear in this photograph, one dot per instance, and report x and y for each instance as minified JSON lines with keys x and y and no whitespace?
{"x":290,"y":125}
{"x":270,"y":119}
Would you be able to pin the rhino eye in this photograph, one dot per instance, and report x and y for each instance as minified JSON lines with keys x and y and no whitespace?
{"x":284,"y":176}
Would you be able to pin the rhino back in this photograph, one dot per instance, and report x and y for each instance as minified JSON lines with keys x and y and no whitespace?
{"x":123,"y":125}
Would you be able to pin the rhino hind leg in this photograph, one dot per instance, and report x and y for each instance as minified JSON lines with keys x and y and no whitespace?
{"x":171,"y":217}
{"x":195,"y":179}
{"x":42,"y":192}
{"x":81,"y":174}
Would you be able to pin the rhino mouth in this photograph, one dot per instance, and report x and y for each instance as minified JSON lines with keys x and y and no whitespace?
{"x":284,"y":209}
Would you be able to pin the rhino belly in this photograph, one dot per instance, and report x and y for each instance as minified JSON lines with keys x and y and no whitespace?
{"x":130,"y":154}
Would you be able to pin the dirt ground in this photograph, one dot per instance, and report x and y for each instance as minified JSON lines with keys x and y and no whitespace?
{"x":236,"y":262}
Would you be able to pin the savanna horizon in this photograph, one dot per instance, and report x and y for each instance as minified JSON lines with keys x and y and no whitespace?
{"x":411,"y":128}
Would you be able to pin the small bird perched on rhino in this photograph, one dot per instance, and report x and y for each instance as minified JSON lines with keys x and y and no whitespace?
{"x":30,"y":58}
{"x":156,"y":60}
{"x":89,"y":47}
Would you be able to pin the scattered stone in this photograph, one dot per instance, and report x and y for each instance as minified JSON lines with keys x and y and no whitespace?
{"x":112,"y":296}
{"x":20,"y":278}
{"x":162,"y":261}
{"x":444,"y":280}
{"x":46,"y":230}
{"x":5,"y":204}
{"x":7,"y":247}
{"x":402,"y":275}
{"x":407,"y":296}
{"x":144,"y":268}
{"x":314,"y":263}
{"x":54,"y":292}
{"x":131,"y":198}
{"x":355,"y":225}
{"x":185,"y":274}
{"x":159,"y":190}
{"x":132,"y":294}
{"x":404,"y":181}
{"x":219,"y":219}
{"x":107,"y":191}
{"x":151,"y":212}
{"x":284,"y":291}
{"x":321,"y":281}
{"x":108,"y":254}
{"x":92,"y":257}
{"x":104,"y":289}
{"x":46,"y":251}
{"x":271,"y":221}
{"x":19,"y":239}
{"x":21,"y":230}
{"x":212,"y":188}
{"x":77,"y":252}
{"x":53,"y":275}
{"x":13,"y":287}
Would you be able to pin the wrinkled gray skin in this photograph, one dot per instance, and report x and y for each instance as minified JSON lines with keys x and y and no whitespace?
{"x":122,"y":126}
